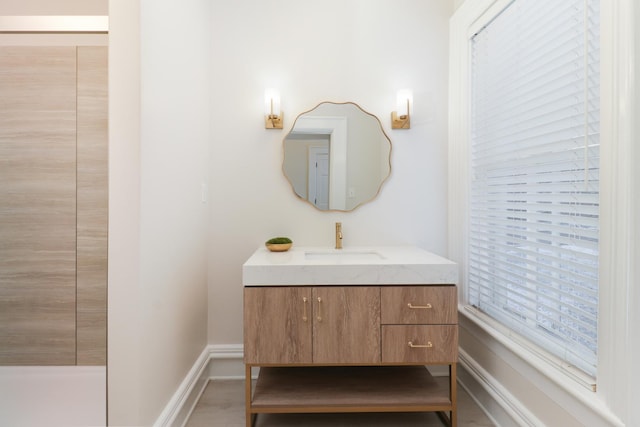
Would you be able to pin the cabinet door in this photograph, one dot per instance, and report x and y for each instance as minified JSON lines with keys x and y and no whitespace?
{"x":277,"y":325}
{"x":346,"y":326}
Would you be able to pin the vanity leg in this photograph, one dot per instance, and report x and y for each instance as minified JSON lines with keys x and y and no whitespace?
{"x":249,"y":417}
{"x":453,"y":394}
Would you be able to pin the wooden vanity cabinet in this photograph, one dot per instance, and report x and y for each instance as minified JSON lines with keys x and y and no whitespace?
{"x":350,"y":349}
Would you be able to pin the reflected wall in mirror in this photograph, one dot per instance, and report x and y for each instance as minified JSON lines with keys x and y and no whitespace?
{"x":337,"y":156}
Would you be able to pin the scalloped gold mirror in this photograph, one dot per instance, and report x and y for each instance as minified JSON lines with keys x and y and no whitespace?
{"x":337,"y":156}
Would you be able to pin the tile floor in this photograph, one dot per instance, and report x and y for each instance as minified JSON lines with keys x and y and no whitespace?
{"x":222,"y":405}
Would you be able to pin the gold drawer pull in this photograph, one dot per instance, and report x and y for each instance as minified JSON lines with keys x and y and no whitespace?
{"x":427,"y":345}
{"x":304,"y":312}
{"x":319,"y":317}
{"x":419,"y":306}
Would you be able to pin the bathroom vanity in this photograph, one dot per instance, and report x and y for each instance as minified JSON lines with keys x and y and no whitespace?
{"x":349,"y":330}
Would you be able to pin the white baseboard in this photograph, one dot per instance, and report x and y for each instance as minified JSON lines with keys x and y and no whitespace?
{"x":215,"y":362}
{"x":503,"y":407}
{"x":497,"y":403}
{"x":227,"y":361}
{"x":181,"y":404}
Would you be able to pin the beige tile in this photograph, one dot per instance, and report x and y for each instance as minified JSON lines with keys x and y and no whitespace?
{"x":222,"y":405}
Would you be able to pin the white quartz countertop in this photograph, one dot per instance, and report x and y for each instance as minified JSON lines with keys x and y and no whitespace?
{"x":370,"y":265}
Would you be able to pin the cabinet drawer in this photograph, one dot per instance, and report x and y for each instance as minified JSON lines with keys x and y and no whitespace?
{"x":419,"y":344}
{"x":416,"y":305}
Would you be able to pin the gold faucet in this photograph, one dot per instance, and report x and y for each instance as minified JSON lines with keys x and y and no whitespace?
{"x":338,"y":235}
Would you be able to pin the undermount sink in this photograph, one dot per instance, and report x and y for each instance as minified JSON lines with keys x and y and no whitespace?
{"x":343,"y":255}
{"x":363,"y":265}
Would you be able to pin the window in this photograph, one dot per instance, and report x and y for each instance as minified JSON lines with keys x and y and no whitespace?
{"x":534,"y":175}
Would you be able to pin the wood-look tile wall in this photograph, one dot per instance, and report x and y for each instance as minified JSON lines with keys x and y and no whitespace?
{"x":92,"y":196}
{"x":53,"y":205}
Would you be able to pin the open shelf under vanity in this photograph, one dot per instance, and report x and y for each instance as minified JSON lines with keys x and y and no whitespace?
{"x":340,"y":389}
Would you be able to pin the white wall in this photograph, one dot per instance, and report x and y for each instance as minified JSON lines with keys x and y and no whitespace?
{"x":317,"y":51}
{"x":174,"y":164}
{"x":159,"y":136}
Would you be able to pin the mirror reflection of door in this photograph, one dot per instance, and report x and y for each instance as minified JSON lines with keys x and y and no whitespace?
{"x":318,"y":193}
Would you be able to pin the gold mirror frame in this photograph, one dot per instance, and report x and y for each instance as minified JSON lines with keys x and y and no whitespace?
{"x":336,"y":156}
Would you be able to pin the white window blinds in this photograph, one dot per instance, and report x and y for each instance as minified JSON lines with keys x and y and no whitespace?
{"x":533,"y":242}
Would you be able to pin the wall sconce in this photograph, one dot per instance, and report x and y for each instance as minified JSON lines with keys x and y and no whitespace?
{"x":404,"y":101}
{"x":273,"y":115}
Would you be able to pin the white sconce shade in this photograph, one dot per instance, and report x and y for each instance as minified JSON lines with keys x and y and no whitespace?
{"x":401,"y":118}
{"x":272,"y":112}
